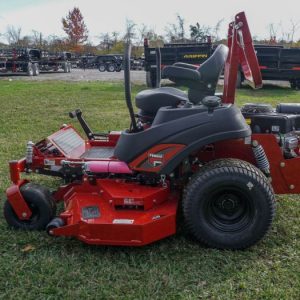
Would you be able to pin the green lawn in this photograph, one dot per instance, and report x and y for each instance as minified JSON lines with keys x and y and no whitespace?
{"x":175,"y":268}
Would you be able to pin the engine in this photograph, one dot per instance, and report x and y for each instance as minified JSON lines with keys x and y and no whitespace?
{"x":263,"y":118}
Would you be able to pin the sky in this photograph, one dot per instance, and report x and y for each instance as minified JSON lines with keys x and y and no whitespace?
{"x":110,"y":15}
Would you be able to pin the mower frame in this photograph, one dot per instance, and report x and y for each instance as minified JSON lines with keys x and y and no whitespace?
{"x":130,"y":213}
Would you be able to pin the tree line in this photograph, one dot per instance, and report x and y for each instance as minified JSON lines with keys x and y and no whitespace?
{"x":77,"y":36}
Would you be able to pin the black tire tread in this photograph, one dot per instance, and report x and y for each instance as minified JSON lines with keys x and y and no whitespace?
{"x":48,"y":203}
{"x":43,"y":189}
{"x":217,"y":167}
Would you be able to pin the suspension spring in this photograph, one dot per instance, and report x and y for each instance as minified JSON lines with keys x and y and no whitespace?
{"x":29,"y":152}
{"x":261,"y":158}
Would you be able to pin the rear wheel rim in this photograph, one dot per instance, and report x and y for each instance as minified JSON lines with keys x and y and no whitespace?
{"x":229,"y":209}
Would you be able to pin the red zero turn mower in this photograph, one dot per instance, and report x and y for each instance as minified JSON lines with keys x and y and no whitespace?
{"x":194,"y":151}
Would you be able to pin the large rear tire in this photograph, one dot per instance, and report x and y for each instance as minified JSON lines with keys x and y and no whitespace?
{"x":40,"y":202}
{"x":229,"y":204}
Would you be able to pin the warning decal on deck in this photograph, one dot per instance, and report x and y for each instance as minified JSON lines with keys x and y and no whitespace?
{"x":123,"y":221}
{"x":90,"y":212}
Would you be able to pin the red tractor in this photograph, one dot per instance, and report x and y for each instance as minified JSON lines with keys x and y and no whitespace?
{"x":190,"y":152}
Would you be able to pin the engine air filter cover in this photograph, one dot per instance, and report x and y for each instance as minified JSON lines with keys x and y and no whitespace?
{"x":257,"y":108}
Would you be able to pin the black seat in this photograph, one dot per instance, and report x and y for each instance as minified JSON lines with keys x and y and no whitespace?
{"x":150,"y":101}
{"x":201,"y":81}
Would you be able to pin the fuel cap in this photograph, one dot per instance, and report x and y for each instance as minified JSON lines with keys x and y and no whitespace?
{"x":211,"y":101}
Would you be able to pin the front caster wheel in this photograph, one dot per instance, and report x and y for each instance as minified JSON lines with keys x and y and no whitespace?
{"x":55,"y":223}
{"x":41,"y":204}
{"x":229,"y":204}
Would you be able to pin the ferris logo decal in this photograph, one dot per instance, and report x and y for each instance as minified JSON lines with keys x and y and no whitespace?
{"x":156,"y":159}
{"x":197,"y":55}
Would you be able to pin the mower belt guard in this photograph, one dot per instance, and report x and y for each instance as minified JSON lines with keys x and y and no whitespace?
{"x":97,"y":218}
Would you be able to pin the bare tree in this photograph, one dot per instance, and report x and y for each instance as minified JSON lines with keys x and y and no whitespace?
{"x":294,"y":28}
{"x":285,"y":36}
{"x":199,"y":32}
{"x":142,"y":32}
{"x":37,"y":39}
{"x":171,"y":32}
{"x":115,"y":37}
{"x":181,"y":24}
{"x":273,"y":29}
{"x":106,"y":42}
{"x":1,"y":35}
{"x":57,"y":44}
{"x":216,"y":30}
{"x":130,"y":31}
{"x":176,"y":31}
{"x":147,"y":32}
{"x":25,"y":41}
{"x":13,"y":35}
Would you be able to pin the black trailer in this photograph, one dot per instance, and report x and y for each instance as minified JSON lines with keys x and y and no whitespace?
{"x":109,"y":63}
{"x":32,"y":61}
{"x":20,"y":60}
{"x":276,"y":62}
{"x":87,"y":61}
{"x":58,"y":61}
{"x":137,"y":64}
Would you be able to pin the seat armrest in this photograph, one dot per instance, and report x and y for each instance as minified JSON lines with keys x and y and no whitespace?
{"x":184,"y":65}
{"x":175,"y":74}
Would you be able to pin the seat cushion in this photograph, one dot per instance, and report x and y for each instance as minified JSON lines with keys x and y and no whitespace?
{"x":150,"y":101}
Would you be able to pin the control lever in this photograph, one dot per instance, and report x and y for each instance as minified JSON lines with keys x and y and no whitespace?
{"x":78,"y":114}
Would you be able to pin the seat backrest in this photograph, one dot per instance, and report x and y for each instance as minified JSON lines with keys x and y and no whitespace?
{"x":210,"y":72}
{"x":211,"y":69}
{"x":201,"y":81}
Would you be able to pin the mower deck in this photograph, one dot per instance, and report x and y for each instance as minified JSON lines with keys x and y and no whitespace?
{"x":115,"y":212}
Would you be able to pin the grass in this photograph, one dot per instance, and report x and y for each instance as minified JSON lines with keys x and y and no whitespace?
{"x":35,"y":266}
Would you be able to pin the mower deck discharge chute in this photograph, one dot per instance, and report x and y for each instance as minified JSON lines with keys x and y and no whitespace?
{"x":189,"y":150}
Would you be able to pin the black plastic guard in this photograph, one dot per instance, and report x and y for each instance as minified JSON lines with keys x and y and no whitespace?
{"x":193,"y":130}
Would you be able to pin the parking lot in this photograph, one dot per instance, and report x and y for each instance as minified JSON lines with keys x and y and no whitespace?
{"x":79,"y":75}
{"x":137,"y":77}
